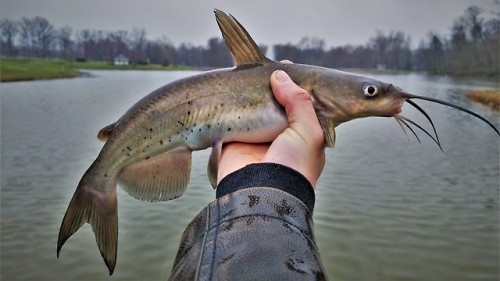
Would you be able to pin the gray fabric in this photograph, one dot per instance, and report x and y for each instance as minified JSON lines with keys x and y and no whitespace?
{"x":257,"y":233}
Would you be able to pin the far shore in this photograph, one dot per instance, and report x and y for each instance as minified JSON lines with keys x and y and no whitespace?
{"x":15,"y":69}
{"x":27,"y":69}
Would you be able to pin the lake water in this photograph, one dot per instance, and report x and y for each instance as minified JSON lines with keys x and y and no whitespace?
{"x":388,"y":208}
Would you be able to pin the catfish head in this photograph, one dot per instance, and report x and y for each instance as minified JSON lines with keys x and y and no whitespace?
{"x":339,"y":97}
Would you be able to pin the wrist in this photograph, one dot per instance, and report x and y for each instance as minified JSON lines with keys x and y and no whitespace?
{"x":269,"y":175}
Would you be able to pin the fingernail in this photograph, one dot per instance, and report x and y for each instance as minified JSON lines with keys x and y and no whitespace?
{"x":282,"y":76}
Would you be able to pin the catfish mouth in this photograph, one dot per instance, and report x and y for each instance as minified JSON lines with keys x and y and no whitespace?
{"x":405,"y":122}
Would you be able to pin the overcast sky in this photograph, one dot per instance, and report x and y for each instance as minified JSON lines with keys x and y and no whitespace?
{"x":338,"y":22}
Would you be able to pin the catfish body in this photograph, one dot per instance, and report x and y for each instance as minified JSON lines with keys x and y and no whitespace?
{"x":193,"y":114}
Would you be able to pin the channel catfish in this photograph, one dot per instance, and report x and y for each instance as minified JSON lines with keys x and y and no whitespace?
{"x":148,"y":150}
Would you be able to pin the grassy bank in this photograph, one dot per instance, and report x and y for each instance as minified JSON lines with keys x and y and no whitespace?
{"x":13,"y":69}
{"x":32,"y":69}
{"x":490,"y":98}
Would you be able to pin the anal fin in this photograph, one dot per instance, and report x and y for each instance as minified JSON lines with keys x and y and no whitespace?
{"x":159,"y":178}
{"x":213,"y":163}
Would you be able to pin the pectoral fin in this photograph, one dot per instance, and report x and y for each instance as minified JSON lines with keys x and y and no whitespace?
{"x":160,"y":178}
{"x":328,"y":131}
{"x":213,"y":163}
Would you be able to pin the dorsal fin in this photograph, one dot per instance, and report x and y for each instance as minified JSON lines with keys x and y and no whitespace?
{"x":241,"y":45}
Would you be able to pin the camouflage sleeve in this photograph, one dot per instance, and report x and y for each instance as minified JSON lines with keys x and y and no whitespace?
{"x":259,"y":228}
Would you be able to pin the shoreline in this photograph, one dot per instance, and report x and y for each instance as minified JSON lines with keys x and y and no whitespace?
{"x":32,"y":69}
{"x":489,"y":98}
{"x":27,"y":69}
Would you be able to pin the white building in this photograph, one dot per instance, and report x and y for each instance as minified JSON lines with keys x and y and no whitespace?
{"x":121,"y":60}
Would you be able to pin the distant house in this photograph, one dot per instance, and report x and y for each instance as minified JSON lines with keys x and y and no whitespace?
{"x":121,"y":60}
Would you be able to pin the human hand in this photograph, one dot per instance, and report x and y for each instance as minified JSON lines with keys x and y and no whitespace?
{"x":300,"y":146}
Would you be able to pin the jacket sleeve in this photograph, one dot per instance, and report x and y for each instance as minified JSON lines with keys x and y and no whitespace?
{"x":259,"y":228}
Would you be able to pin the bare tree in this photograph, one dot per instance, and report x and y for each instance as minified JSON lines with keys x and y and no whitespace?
{"x":474,"y":23}
{"x":9,"y":31}
{"x":138,"y":43}
{"x":26,"y":27}
{"x":161,"y":51}
{"x":311,"y":43}
{"x":312,"y":50}
{"x":217,"y":54}
{"x":37,"y":36}
{"x":392,"y":50}
{"x":44,"y":35}
{"x":85,"y":43}
{"x":431,"y":55}
{"x":119,"y":41}
{"x":66,"y":44}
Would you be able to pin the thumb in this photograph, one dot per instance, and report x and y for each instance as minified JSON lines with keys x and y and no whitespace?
{"x":298,"y":106}
{"x":301,"y":145}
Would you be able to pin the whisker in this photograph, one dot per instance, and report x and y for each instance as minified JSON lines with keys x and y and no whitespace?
{"x":422,"y":129}
{"x":411,"y":129}
{"x":454,"y":106}
{"x":426,"y":116}
{"x":398,"y":119}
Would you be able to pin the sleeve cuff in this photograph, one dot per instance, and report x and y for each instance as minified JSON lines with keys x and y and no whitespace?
{"x":269,"y":175}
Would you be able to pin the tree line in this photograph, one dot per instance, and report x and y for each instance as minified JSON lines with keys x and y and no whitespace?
{"x":471,"y":48}
{"x":37,"y":37}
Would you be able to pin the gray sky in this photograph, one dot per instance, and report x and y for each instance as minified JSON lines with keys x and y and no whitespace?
{"x":338,"y":22}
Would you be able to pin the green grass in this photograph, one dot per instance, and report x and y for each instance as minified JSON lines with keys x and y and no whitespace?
{"x":14,"y":69}
{"x":32,"y":69}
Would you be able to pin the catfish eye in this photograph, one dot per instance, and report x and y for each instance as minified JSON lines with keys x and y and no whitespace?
{"x":370,"y":90}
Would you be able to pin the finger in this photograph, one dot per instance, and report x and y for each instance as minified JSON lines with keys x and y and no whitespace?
{"x":298,"y":106}
{"x":304,"y":136}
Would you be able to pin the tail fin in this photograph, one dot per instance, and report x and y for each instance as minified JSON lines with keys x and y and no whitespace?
{"x":98,"y":209}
